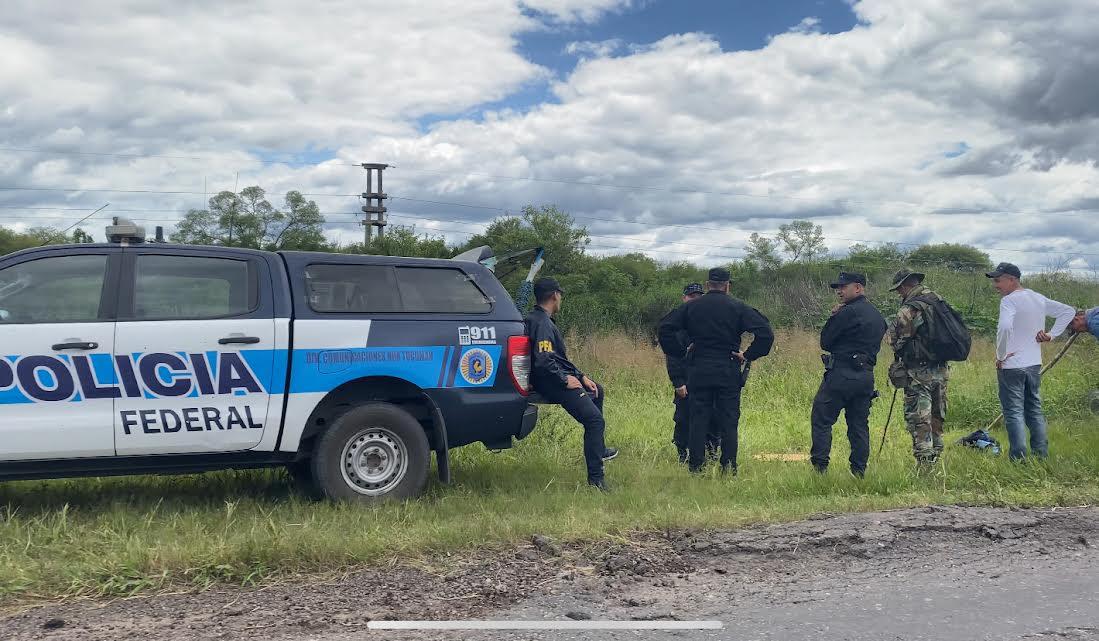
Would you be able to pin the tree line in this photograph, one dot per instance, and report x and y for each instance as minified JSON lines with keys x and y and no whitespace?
{"x":785,"y":276}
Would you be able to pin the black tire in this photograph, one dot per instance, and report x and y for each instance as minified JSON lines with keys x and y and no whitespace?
{"x":371,"y":453}
{"x":301,"y":477}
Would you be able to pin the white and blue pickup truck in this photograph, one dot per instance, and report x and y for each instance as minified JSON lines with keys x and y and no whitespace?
{"x":135,"y":357}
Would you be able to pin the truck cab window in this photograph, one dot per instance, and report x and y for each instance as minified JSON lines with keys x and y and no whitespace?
{"x":355,"y":289}
{"x":192,"y":287}
{"x":441,"y":291}
{"x":61,"y":289}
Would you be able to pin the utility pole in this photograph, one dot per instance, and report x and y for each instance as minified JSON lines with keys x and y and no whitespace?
{"x":374,"y":209}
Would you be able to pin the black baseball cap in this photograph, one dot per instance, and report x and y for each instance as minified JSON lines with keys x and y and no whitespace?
{"x":847,"y":278}
{"x":1005,"y":268}
{"x":544,"y":287}
{"x":693,"y":288}
{"x":718,"y":275}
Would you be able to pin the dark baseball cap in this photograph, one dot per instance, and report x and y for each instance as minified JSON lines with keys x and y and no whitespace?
{"x":1005,"y":268}
{"x":544,"y":287}
{"x":718,"y":275}
{"x":693,"y":288}
{"x":848,"y":278}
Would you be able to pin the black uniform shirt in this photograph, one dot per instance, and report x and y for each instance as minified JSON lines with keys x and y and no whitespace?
{"x":677,"y":361}
{"x":551,"y":365}
{"x":857,"y":328}
{"x":714,"y":324}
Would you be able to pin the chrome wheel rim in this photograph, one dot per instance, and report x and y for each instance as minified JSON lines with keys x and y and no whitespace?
{"x":375,"y":461}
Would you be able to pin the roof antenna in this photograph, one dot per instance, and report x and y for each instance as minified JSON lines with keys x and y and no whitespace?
{"x":66,"y":230}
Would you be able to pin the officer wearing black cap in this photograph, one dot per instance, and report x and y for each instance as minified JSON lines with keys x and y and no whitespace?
{"x":714,"y":325}
{"x":559,"y":381}
{"x":677,"y":373}
{"x":852,"y":337}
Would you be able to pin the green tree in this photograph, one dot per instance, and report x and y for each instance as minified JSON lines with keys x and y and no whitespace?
{"x":883,"y":257}
{"x":401,"y":240}
{"x":248,"y":219}
{"x":547,"y":227}
{"x":641,"y":270}
{"x":954,"y":256}
{"x":763,"y":252}
{"x":12,"y":241}
{"x":299,"y":227}
{"x":802,"y":240}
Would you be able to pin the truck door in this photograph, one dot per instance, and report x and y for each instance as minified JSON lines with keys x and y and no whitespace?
{"x":196,"y":340}
{"x":57,"y":326}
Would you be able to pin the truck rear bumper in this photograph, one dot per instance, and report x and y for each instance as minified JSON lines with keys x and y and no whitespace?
{"x":530,"y":419}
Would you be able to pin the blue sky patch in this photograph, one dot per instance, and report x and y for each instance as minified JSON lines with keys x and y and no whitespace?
{"x":958,"y":150}
{"x":294,"y":158}
{"x":735,"y":24}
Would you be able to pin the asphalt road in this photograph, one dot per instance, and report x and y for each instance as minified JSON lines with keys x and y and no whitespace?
{"x":927,"y":573}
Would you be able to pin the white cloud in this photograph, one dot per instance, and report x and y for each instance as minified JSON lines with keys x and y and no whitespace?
{"x":597,"y":49}
{"x":810,"y":24}
{"x":851,"y":129}
{"x":576,"y":10}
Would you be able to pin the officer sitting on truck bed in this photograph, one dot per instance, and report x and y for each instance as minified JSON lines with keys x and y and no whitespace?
{"x":562,"y":383}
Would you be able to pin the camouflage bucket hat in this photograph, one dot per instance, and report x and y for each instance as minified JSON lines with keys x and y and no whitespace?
{"x":903,"y":275}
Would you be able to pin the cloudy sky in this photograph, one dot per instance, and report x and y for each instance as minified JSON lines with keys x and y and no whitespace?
{"x":676,"y":127}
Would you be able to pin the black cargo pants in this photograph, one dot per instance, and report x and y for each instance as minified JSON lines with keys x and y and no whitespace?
{"x":716,"y":408}
{"x":681,"y":434}
{"x":588,"y":411}
{"x":851,"y":391}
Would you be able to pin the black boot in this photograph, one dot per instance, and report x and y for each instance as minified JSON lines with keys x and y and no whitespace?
{"x":599,"y":484}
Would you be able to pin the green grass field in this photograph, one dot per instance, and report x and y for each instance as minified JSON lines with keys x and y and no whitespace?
{"x":125,"y":535}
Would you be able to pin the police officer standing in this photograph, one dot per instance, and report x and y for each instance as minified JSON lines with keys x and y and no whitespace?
{"x":677,"y":373}
{"x":560,"y":382}
{"x":852,"y":336}
{"x":713,"y":325}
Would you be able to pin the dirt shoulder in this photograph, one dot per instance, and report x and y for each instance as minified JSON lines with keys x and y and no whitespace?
{"x":635,"y":578}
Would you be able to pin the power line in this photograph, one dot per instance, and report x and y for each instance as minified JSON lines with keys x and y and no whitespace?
{"x":152,"y":191}
{"x":504,"y":210}
{"x":582,"y":218}
{"x":773,"y":236}
{"x":66,"y":152}
{"x":598,"y":185}
{"x":768,"y":196}
{"x":681,"y":253}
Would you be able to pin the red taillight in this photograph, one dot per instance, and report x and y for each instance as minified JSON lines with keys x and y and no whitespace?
{"x":519,"y":363}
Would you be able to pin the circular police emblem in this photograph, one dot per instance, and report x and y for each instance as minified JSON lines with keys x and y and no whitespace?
{"x":475,"y":366}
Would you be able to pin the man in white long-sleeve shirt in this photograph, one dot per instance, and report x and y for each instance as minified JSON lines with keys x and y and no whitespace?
{"x":1019,"y":335}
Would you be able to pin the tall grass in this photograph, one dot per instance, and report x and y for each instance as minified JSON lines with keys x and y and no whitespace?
{"x":127,"y":535}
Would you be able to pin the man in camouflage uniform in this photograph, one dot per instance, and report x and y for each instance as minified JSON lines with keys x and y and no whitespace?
{"x":923,"y":379}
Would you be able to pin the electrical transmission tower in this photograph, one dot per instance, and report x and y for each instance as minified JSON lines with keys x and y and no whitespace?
{"x":374,"y":209}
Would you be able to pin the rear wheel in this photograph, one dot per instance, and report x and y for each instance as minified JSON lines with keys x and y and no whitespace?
{"x":372,"y":452}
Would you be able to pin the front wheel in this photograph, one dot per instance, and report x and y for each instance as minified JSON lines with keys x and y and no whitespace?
{"x":372,"y":452}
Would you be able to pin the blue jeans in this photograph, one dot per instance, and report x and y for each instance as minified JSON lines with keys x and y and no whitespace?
{"x":1022,"y":404}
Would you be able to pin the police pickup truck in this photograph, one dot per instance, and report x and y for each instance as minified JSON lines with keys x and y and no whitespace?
{"x":136,"y":357}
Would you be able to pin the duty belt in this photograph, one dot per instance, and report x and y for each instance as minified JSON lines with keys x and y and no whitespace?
{"x":856,"y":362}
